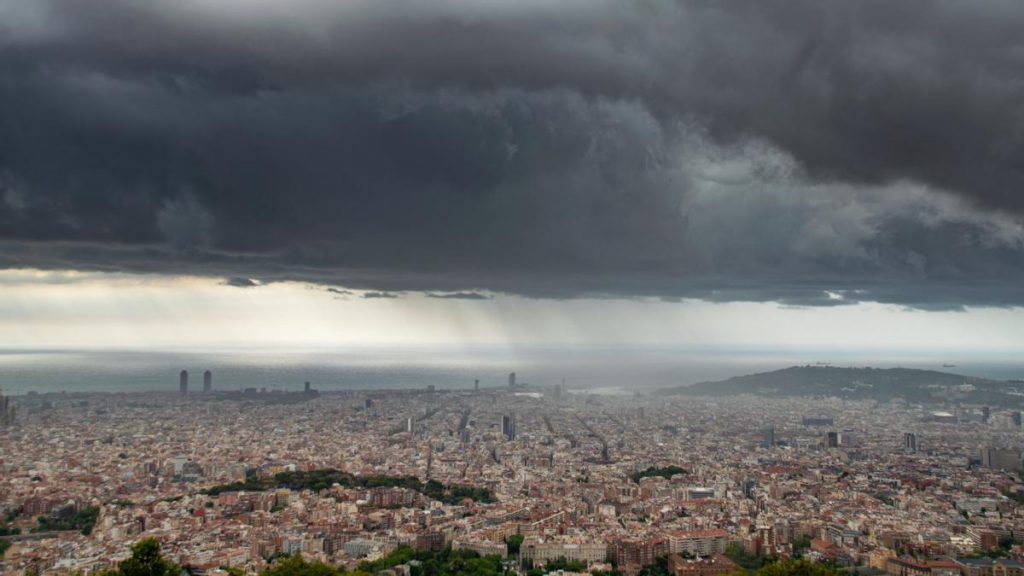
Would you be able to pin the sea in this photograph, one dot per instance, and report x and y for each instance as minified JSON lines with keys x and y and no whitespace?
{"x":613,"y":370}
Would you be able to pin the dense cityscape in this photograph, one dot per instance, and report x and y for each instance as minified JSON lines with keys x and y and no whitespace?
{"x":511,"y":288}
{"x":538,"y":476}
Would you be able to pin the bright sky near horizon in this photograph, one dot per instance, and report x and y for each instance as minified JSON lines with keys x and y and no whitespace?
{"x":46,"y":309}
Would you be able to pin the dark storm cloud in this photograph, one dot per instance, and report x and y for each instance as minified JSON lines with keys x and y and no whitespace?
{"x":379,"y":295}
{"x":804,"y":151}
{"x":459,"y":296}
{"x":184,"y":223}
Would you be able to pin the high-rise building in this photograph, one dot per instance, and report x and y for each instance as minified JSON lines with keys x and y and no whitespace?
{"x":207,"y":381}
{"x":769,"y":437}
{"x":1000,"y":458}
{"x":183,"y":383}
{"x":410,"y":425}
{"x":848,"y":438}
{"x":986,"y":413}
{"x":832,"y":439}
{"x":307,"y":388}
{"x":476,"y":385}
{"x":508,"y":426}
{"x":1017,"y":418}
{"x":910,"y":441}
{"x":6,"y":410}
{"x":511,"y":379}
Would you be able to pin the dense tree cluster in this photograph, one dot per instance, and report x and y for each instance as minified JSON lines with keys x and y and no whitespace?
{"x":69,"y":519}
{"x":146,"y":560}
{"x":6,"y":531}
{"x":799,"y":568}
{"x":446,"y":562}
{"x":746,"y":560}
{"x":666,"y":472}
{"x":514,"y":543}
{"x":317,"y":480}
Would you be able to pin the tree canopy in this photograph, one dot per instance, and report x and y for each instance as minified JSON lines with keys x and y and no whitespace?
{"x":318,"y":480}
{"x":297,"y":566}
{"x":146,"y":560}
{"x":799,"y":568}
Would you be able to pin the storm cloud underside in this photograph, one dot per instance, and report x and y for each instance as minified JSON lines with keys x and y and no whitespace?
{"x":808,"y":152}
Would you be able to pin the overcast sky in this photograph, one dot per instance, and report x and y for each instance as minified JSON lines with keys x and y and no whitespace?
{"x":843,"y":172}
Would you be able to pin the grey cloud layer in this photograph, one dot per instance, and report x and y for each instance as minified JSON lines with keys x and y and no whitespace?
{"x":810,"y":152}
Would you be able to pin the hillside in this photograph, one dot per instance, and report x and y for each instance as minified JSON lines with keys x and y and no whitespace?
{"x":875,"y":383}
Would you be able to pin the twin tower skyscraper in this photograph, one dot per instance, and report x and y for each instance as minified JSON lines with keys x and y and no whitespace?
{"x":183,"y":382}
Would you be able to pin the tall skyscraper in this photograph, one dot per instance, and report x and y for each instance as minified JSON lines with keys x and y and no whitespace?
{"x":183,"y":383}
{"x":476,"y":385}
{"x":769,"y":437}
{"x":207,"y":381}
{"x":307,"y":388}
{"x":986,"y":413}
{"x":508,"y":426}
{"x":832,"y":439}
{"x":6,"y":410}
{"x":910,"y":441}
{"x":511,"y":379}
{"x":1017,"y":418}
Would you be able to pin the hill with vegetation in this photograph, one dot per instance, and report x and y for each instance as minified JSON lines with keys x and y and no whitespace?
{"x":863,"y":383}
{"x":667,"y":473}
{"x":317,"y":480}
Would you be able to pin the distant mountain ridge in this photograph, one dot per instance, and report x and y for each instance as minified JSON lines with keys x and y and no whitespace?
{"x":866,"y":383}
